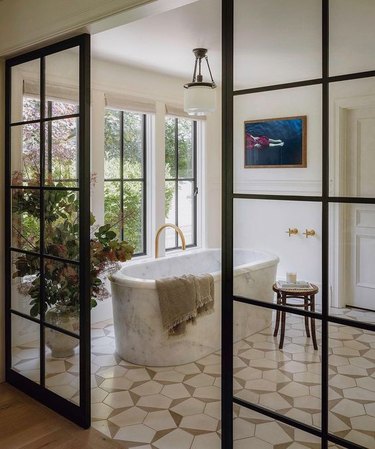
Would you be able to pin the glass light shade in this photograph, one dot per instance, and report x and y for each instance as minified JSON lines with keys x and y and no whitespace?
{"x":199,"y":100}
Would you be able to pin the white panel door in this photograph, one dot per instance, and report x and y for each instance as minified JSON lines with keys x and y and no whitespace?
{"x":361,"y":217}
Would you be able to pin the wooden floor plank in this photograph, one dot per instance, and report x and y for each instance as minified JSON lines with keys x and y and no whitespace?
{"x":26,"y":424}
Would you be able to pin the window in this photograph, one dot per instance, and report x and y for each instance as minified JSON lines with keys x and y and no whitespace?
{"x":61,"y":142}
{"x":125,"y":176}
{"x":181,"y":180}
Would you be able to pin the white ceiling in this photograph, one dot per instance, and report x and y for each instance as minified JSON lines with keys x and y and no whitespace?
{"x":163,"y":43}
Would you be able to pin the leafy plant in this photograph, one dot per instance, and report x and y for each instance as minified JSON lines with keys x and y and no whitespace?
{"x":61,"y":239}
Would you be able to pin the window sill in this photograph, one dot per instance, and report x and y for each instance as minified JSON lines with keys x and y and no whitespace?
{"x":174,"y":251}
{"x":169,"y":253}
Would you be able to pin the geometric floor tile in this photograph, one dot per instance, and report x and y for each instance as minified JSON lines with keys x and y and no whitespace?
{"x":176,"y":439}
{"x":272,"y":433}
{"x":206,"y":441}
{"x":160,"y":420}
{"x":132,"y":415}
{"x":179,"y":407}
{"x":190,"y":406}
{"x":136,"y":433}
{"x":199,"y":422}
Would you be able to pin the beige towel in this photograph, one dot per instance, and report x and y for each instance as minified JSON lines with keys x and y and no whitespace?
{"x":204,"y":285}
{"x":182,"y":299}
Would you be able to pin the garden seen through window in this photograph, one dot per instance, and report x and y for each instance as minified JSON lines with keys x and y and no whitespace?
{"x":61,"y":171}
{"x":125,"y":176}
{"x":181,"y":180}
{"x":124,"y":170}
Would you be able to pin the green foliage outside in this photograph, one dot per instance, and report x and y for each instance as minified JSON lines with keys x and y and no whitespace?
{"x":61,"y":226}
{"x":61,"y":280}
{"x":63,"y":166}
{"x":132,"y":169}
{"x":185,"y":148}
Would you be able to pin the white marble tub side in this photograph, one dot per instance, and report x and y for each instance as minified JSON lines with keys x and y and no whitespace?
{"x":139,"y":335}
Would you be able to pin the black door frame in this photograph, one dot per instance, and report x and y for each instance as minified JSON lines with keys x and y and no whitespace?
{"x":79,"y":414}
{"x":228,"y":199}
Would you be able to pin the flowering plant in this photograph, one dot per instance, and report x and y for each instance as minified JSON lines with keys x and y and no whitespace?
{"x":61,"y":240}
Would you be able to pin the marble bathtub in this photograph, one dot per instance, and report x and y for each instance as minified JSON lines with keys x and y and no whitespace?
{"x":139,"y":335}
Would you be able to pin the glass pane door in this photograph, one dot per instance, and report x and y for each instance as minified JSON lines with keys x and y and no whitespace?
{"x":298,"y":224}
{"x":48,"y":226}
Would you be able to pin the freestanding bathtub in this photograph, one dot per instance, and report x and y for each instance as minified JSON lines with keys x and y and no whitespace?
{"x":139,"y":335}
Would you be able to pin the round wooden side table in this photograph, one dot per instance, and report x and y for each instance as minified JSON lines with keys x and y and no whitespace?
{"x":308,"y":296}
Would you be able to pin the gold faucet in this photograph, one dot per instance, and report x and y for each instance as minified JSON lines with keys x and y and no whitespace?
{"x":177,"y":229}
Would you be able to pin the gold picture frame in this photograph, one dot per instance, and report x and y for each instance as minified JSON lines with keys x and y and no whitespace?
{"x":276,"y":142}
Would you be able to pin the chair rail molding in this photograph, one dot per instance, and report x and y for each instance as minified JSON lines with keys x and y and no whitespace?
{"x":279,"y":186}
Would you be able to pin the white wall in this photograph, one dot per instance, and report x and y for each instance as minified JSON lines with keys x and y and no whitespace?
{"x":276,"y":41}
{"x":24,"y":22}
{"x":212,"y":176}
{"x":263,"y":224}
{"x":351,"y":51}
{"x":285,"y":46}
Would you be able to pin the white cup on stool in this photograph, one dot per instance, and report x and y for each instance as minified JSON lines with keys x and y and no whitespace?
{"x":291,"y":277}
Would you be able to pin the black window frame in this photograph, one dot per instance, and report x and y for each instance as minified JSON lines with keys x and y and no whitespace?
{"x":80,"y":414}
{"x":122,"y":180}
{"x":176,"y":179}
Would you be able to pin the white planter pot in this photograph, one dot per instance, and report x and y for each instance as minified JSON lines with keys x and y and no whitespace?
{"x":62,"y":345}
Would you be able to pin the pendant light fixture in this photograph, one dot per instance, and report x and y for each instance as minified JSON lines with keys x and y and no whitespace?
{"x":200,"y":96}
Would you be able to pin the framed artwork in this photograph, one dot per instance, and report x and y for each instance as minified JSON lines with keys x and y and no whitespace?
{"x":276,"y":143}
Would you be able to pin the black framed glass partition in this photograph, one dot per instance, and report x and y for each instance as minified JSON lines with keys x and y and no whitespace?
{"x":316,"y":219}
{"x":47,"y":213}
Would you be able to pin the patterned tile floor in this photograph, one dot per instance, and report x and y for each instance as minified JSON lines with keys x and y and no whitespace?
{"x":179,"y":407}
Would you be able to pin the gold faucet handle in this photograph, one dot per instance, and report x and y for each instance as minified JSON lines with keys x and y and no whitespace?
{"x":309,"y":233}
{"x":292,"y":231}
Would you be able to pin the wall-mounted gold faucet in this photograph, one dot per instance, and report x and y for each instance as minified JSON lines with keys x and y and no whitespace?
{"x":292,"y":231}
{"x":177,"y":229}
{"x":309,"y":233}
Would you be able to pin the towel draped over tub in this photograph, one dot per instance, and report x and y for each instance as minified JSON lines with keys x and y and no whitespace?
{"x":184,"y":298}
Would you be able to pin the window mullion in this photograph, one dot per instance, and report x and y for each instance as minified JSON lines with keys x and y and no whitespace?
{"x":122,"y":174}
{"x":144,"y":185}
{"x":49,"y":139}
{"x":177,"y":177}
{"x":195,"y":184}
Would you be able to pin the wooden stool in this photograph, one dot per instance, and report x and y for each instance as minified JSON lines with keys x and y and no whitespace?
{"x":308,"y":297}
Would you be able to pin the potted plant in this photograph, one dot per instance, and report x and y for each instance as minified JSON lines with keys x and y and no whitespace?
{"x":61,"y":279}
